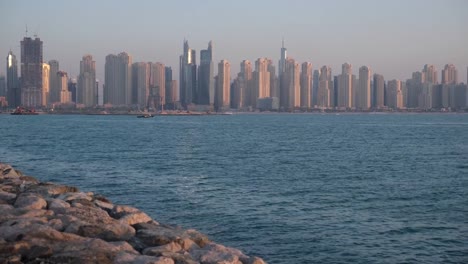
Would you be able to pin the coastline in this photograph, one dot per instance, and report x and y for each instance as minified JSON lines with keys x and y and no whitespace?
{"x":42,"y":222}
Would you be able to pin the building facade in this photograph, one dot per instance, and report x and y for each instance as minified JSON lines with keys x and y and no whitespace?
{"x":87,"y":92}
{"x":31,"y":72}
{"x":206,"y":76}
{"x":118,"y":80}
{"x":223,"y":86}
{"x":13,"y":84}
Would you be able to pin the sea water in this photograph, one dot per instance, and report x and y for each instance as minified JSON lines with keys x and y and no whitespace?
{"x":290,"y":188}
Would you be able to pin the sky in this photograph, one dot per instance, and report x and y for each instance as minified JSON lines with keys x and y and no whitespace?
{"x":392,"y":37}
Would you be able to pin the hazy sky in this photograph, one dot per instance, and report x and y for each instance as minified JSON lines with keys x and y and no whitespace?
{"x":393,"y":37}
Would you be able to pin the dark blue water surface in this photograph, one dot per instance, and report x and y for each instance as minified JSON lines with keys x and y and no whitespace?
{"x":290,"y":188}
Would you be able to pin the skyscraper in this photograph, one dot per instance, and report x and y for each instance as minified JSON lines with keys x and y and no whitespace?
{"x":449,"y":74}
{"x":87,"y":92}
{"x":345,"y":86}
{"x":65,"y":95}
{"x":325,"y":87}
{"x":282,"y":61}
{"x":205,"y":76}
{"x":306,"y":85}
{"x":274,"y":86}
{"x":430,"y":74}
{"x":223,"y":86}
{"x":45,"y":83}
{"x":261,"y":81}
{"x":290,"y":94}
{"x":3,"y":86}
{"x":394,"y":94}
{"x":140,"y":84}
{"x":315,"y":86}
{"x":13,"y":85}
{"x":157,"y":84}
{"x":364,"y":89}
{"x":246,"y":77}
{"x":118,"y":80}
{"x":31,"y":72}
{"x":54,"y":90}
{"x":169,"y":92}
{"x":379,"y":91}
{"x":281,"y":71}
{"x":188,"y":76}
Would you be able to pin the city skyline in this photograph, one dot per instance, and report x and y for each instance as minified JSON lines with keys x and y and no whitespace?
{"x":393,"y":39}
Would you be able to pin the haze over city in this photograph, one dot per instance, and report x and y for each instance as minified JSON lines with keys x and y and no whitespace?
{"x":393,"y":38}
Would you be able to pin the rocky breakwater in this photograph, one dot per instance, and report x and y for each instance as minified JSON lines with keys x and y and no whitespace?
{"x":42,"y":222}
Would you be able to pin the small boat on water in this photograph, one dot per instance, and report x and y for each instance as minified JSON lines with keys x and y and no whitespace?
{"x":145,"y":116}
{"x":24,"y":111}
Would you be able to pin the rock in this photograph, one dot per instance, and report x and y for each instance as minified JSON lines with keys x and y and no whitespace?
{"x":57,"y":204}
{"x":56,"y":224}
{"x":156,"y":251}
{"x":89,"y":251}
{"x":6,"y":207}
{"x":135,"y":218}
{"x":104,"y":205}
{"x":38,"y":251}
{"x":6,"y":171}
{"x":7,"y":197}
{"x":160,"y":235}
{"x":217,"y":254}
{"x":51,"y":190}
{"x":187,"y":244}
{"x":68,"y":197}
{"x":119,"y":211}
{"x":126,"y":258}
{"x":48,"y":223}
{"x":30,"y":201}
{"x":113,"y":232}
{"x":179,"y":258}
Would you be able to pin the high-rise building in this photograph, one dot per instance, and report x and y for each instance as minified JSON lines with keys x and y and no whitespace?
{"x":87,"y":92}
{"x":3,"y":90}
{"x":13,"y":84}
{"x":205,"y":77}
{"x":45,"y":84}
{"x":169,"y":92}
{"x":430,"y":74}
{"x":54,"y":90}
{"x":223,"y":86}
{"x":290,"y":94}
{"x":188,"y":76}
{"x":140,"y":84}
{"x":237,"y":92}
{"x":345,"y":87}
{"x":282,"y":61}
{"x":73,"y":89}
{"x":394,"y":94}
{"x":157,"y":84}
{"x":65,"y":95}
{"x":378,"y":100}
{"x":364,"y":89}
{"x":118,"y":80}
{"x":449,"y":74}
{"x":315,"y":87}
{"x":306,"y":85}
{"x":274,"y":86}
{"x":246,"y":77}
{"x":325,"y":88}
{"x":31,"y":72}
{"x":261,"y":81}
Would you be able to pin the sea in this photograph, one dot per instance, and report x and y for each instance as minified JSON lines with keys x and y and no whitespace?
{"x":289,"y":188}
